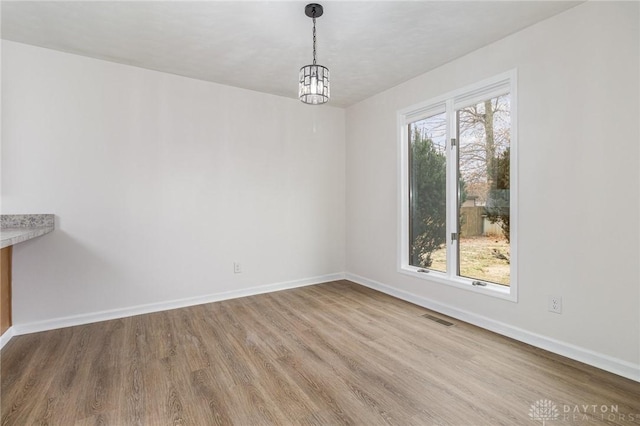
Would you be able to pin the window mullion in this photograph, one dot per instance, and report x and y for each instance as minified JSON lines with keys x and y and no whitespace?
{"x":452,"y":193}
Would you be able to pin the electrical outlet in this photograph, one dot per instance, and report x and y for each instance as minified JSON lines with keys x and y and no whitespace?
{"x":555,"y":304}
{"x":236,"y":268}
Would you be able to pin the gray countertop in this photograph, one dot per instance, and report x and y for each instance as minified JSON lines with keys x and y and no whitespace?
{"x":16,"y":228}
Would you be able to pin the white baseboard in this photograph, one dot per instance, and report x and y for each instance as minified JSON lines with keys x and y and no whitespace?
{"x":52,"y":324}
{"x":6,"y":336}
{"x":587,"y":356}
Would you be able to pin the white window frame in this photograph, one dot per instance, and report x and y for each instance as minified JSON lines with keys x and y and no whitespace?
{"x":450,"y":102}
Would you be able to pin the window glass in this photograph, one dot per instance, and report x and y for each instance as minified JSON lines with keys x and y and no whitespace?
{"x":484,"y":133}
{"x":427,"y":192}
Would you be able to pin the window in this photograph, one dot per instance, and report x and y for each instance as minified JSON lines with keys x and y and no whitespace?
{"x":458,"y":181}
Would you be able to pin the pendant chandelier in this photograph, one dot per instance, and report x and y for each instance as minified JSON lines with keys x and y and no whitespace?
{"x":314,"y":79}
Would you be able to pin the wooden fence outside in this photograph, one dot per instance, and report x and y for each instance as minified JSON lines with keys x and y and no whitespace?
{"x":474,"y":223}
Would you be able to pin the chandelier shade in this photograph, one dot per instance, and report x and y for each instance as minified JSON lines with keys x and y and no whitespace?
{"x":313,"y":82}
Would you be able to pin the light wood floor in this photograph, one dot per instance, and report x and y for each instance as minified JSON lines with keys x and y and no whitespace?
{"x":330,"y":354}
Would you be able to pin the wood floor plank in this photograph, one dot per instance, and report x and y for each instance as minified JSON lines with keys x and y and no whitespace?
{"x":330,"y":354}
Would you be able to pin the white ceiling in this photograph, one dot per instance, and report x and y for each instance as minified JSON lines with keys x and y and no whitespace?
{"x":261,"y":45}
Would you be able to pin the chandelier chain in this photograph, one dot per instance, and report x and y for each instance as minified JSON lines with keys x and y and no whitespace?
{"x":314,"y":37}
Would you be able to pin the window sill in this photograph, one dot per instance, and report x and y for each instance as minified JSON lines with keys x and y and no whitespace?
{"x":494,"y":290}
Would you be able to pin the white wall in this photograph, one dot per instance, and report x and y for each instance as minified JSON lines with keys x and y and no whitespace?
{"x":159,"y":183}
{"x":579,"y":188}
